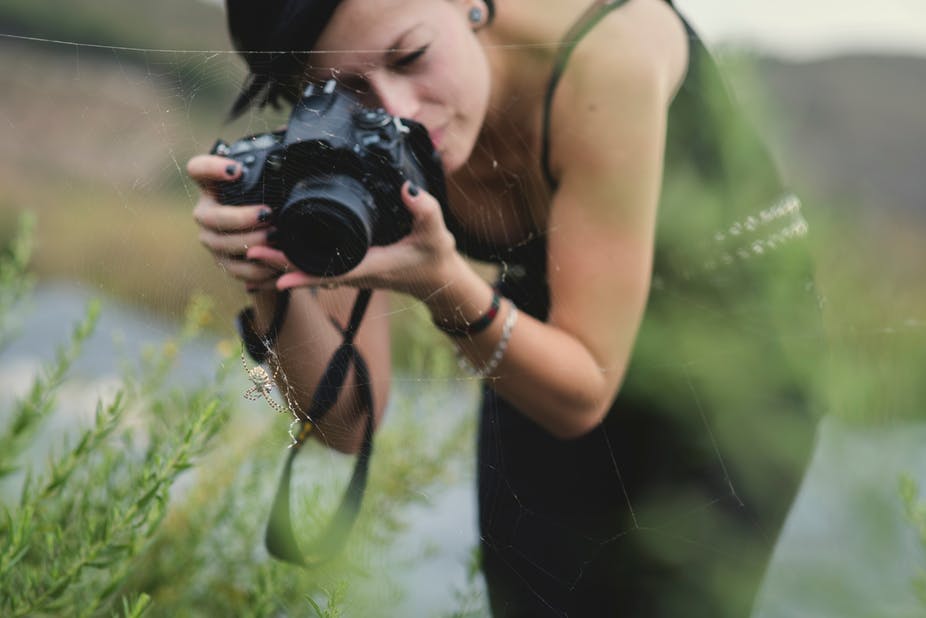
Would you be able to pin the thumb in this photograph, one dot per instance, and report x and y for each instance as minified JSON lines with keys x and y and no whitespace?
{"x":424,"y":207}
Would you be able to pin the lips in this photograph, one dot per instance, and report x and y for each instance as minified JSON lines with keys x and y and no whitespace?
{"x":437,"y":137}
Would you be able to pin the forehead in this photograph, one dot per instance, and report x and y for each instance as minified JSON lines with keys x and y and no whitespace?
{"x":364,"y":27}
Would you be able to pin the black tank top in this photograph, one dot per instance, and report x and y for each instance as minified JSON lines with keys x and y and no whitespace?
{"x":723,"y":357}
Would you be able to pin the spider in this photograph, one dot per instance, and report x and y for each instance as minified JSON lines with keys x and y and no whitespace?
{"x":262,"y":385}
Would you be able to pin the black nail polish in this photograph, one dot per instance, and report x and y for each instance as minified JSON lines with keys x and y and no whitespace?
{"x":264,"y":215}
{"x":413,"y":190}
{"x":232,"y":169}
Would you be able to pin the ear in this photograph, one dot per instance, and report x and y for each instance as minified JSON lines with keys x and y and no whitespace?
{"x":476,"y":13}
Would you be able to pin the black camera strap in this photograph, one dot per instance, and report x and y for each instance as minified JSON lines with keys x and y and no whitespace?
{"x":280,"y":538}
{"x":258,"y":347}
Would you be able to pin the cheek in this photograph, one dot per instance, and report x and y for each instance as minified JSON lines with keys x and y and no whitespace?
{"x":467,"y":71}
{"x":474,"y":91}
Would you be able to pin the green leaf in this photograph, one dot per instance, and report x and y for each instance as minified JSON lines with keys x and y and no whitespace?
{"x":8,"y":469}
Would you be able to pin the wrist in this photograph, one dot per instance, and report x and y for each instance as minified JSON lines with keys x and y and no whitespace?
{"x":470,"y":328}
{"x":461,"y":298}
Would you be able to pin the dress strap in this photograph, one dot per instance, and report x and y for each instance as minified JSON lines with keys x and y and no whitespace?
{"x":586,"y":22}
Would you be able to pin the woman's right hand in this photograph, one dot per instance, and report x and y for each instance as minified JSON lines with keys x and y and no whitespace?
{"x":229,"y":231}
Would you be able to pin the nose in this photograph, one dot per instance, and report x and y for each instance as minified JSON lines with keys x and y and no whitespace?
{"x":397,"y":95}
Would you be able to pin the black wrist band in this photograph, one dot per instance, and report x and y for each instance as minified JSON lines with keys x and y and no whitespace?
{"x":478,"y":325}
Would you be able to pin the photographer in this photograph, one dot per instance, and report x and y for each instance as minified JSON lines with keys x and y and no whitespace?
{"x":626,"y":465}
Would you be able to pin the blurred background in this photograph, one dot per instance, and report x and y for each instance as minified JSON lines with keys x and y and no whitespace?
{"x":103,"y":101}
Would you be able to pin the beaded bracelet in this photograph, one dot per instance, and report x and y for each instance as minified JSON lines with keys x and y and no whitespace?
{"x":478,"y":325}
{"x":498,"y":353}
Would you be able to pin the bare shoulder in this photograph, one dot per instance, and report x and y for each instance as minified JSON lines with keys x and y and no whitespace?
{"x":641,"y":40}
{"x":621,"y":76}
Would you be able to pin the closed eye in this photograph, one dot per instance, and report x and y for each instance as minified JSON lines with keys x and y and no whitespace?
{"x":357,"y":84}
{"x":409,"y":59}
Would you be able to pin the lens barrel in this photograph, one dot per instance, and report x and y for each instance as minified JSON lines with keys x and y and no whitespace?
{"x":326,"y":225}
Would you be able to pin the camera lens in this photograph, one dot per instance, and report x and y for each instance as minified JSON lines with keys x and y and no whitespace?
{"x":326,"y":225}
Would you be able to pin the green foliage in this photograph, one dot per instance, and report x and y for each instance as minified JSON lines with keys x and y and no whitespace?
{"x":15,"y":283}
{"x":103,"y":528}
{"x":29,"y":413}
{"x":72,"y":536}
{"x":208,"y":559}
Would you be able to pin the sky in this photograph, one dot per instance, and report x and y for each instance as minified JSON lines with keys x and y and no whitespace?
{"x":806,"y":29}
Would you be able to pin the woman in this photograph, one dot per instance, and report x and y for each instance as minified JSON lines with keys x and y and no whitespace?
{"x":647,"y":415}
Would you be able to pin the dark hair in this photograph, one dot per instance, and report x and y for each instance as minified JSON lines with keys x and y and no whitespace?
{"x":273,"y":37}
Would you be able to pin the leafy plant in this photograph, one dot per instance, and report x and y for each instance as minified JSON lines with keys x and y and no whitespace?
{"x":70,"y":539}
{"x":104,"y":527}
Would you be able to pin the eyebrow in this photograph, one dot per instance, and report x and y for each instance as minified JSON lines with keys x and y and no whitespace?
{"x":396,"y":46}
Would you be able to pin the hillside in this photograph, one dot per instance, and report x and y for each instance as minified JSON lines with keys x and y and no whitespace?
{"x":852,"y":128}
{"x":165,"y":24}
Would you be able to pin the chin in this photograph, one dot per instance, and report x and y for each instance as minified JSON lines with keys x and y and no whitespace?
{"x":450,"y":167}
{"x":454,"y":157}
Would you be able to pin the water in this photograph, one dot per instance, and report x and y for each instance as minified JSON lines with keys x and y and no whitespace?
{"x":846,"y":550}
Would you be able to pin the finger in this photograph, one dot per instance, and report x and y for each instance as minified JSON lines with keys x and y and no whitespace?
{"x":297,"y":279}
{"x":424,"y":207}
{"x":273,"y":258}
{"x":428,"y":219}
{"x":211,"y":215}
{"x":207,"y":170}
{"x":294,"y":278}
{"x":245,"y":270}
{"x":231,"y":245}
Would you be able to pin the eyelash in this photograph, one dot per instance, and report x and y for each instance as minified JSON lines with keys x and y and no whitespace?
{"x":406,"y":61}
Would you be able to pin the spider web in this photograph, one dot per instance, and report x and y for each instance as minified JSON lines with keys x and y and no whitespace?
{"x":96,"y":141}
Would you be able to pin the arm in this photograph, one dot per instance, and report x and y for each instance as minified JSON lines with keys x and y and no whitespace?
{"x":608,"y":133}
{"x":307,"y":339}
{"x":305,"y":345}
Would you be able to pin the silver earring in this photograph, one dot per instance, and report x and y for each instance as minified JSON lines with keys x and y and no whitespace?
{"x":475,"y":15}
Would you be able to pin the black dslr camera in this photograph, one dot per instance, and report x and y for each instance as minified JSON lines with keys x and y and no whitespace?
{"x":333,"y":178}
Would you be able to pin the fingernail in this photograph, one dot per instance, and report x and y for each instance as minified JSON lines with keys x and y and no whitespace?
{"x":232,"y":169}
{"x":413,"y":189}
{"x":272,"y":235}
{"x":264,"y":215}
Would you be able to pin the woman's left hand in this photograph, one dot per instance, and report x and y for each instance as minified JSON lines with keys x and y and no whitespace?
{"x":418,"y":264}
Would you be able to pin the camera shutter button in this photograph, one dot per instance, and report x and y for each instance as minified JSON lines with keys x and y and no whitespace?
{"x":372,"y":118}
{"x":275,"y":162}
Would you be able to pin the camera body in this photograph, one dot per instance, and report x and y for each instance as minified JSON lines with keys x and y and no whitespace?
{"x":333,"y":177}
